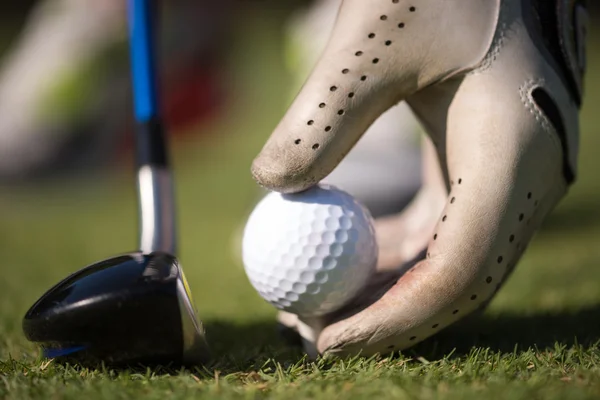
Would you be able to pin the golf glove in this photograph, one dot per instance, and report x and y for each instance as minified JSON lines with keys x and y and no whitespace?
{"x":497,"y":84}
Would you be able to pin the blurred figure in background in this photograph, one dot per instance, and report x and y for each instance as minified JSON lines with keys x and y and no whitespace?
{"x":64,"y":82}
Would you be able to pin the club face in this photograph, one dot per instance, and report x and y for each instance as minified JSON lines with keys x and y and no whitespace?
{"x":134,"y":308}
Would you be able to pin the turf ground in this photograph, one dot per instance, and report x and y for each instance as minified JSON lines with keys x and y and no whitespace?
{"x":539,"y":339}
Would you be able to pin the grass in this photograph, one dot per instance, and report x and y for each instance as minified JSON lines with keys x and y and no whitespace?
{"x":539,"y":338}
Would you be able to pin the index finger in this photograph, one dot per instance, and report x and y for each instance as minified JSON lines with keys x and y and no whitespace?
{"x":379,"y":53}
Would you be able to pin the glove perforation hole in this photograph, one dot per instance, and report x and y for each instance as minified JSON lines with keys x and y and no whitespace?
{"x":297,"y":141}
{"x":351,"y":94}
{"x":322,"y":105}
{"x":395,"y":1}
{"x":473,"y":296}
{"x":412,"y":9}
{"x":341,"y":112}
{"x":401,"y":25}
{"x":412,"y":338}
{"x":390,"y":347}
{"x":388,"y":42}
{"x":452,"y":200}
{"x":455,"y":312}
{"x":435,"y":326}
{"x":333,"y":88}
{"x":363,"y":78}
{"x":345,"y":71}
{"x":511,"y":238}
{"x":375,"y":60}
{"x":488,"y":280}
{"x":521,"y":216}
{"x":529,"y":196}
{"x":358,"y":53}
{"x":444,"y":218}
{"x":310,"y":122}
{"x":383,"y":17}
{"x":371,"y":35}
{"x":459,"y":181}
{"x":435,"y":237}
{"x":315,"y":146}
{"x":327,"y":128}
{"x":499,"y":259}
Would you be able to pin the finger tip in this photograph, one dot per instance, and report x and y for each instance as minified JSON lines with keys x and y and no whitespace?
{"x":324,"y":347}
{"x":274,"y":173}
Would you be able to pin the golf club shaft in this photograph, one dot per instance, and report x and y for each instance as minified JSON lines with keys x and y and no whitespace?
{"x":154,"y":180}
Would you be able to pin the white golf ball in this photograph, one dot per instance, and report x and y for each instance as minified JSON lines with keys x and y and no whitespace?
{"x":309,"y":253}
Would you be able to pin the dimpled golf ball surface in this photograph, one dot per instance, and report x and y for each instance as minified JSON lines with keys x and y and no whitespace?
{"x":309,"y":253}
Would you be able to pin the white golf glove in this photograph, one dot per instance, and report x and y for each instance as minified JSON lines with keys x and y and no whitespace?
{"x":498,"y":86}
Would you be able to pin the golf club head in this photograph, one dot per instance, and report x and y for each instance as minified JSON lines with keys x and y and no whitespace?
{"x":130,"y":309}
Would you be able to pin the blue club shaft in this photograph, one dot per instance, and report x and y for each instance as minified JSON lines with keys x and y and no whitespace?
{"x":143,"y":59}
{"x":150,"y":140}
{"x":154,"y":181}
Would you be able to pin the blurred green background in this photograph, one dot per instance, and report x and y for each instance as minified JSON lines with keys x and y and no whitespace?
{"x":57,"y":225}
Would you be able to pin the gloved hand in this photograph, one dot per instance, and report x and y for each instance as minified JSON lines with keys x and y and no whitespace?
{"x":498,"y":87}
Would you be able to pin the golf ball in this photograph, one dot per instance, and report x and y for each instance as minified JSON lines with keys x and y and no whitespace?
{"x":309,"y":253}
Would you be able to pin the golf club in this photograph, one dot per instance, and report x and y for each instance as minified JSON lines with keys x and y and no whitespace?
{"x":136,"y":307}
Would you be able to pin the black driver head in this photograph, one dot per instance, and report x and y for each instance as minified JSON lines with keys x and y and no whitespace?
{"x":130,"y":309}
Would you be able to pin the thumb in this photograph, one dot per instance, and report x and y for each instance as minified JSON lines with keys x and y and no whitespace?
{"x":379,"y":53}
